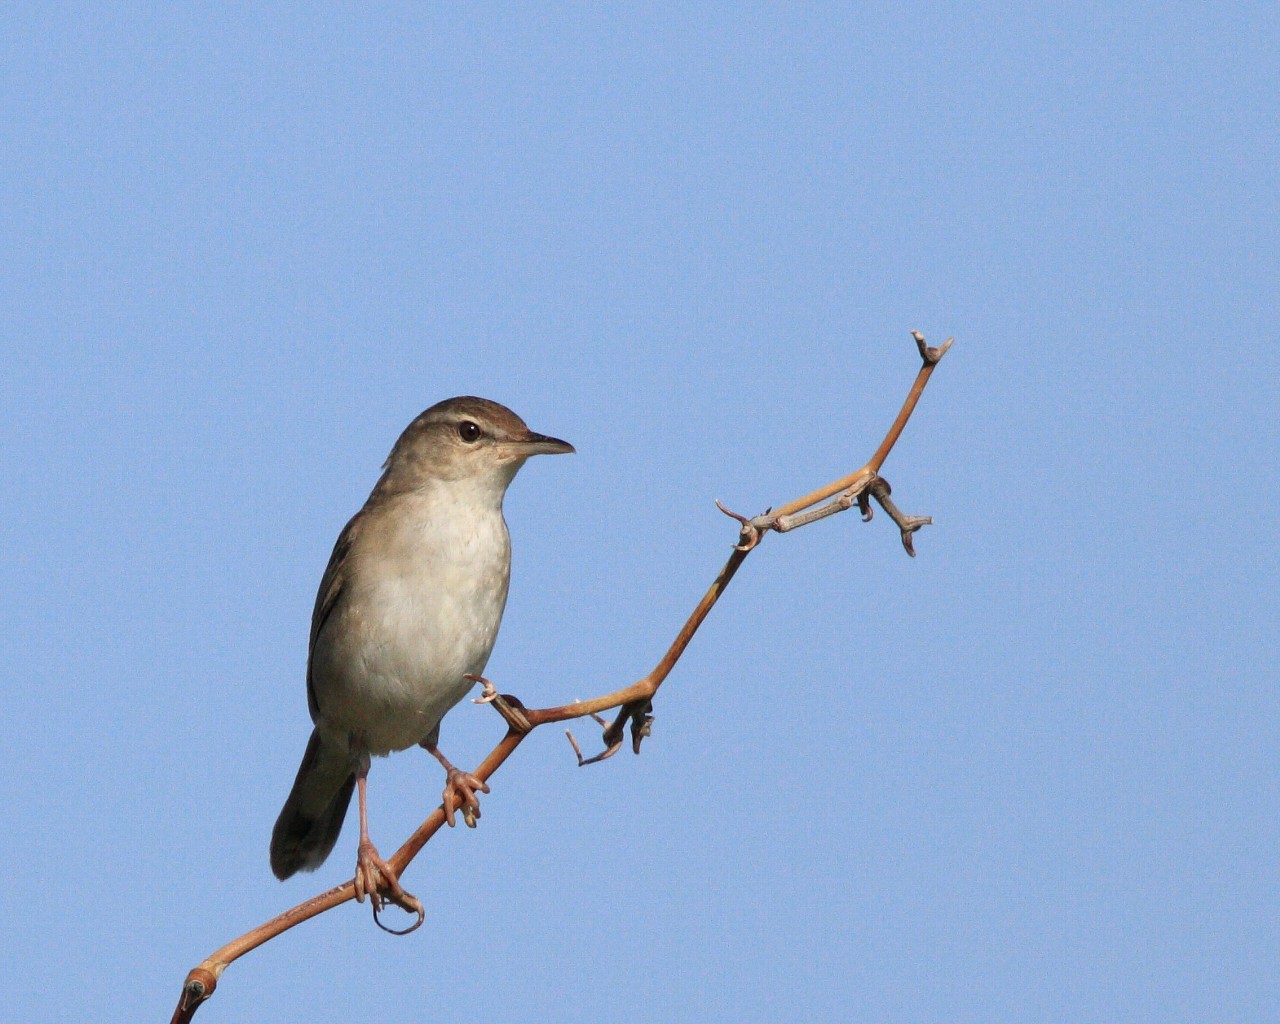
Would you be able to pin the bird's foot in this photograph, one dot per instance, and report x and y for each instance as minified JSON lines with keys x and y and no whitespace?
{"x":376,"y":879}
{"x":460,"y":790}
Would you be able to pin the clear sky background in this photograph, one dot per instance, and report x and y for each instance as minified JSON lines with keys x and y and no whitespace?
{"x":1031,"y":775}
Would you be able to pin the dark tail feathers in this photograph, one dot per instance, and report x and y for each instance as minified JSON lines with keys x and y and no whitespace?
{"x":312,"y":817}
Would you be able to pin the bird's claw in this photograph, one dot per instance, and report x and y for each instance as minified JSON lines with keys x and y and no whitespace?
{"x":376,"y":879}
{"x":460,"y":790}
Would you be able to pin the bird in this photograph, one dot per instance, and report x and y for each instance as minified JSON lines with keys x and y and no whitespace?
{"x":408,"y":609}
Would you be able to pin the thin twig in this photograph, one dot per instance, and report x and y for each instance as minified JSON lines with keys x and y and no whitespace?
{"x":634,"y":702}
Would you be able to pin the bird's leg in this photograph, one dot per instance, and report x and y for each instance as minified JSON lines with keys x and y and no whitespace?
{"x":375,"y":878}
{"x":460,"y":788}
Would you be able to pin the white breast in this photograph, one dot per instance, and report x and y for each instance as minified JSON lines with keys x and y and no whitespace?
{"x":420,"y":609}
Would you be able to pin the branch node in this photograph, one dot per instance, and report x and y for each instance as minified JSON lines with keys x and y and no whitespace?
{"x":509,"y":707}
{"x":750,"y":535}
{"x":196,"y":989}
{"x":199,"y":987}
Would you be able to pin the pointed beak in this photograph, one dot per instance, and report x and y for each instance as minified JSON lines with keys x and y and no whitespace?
{"x":541,"y":444}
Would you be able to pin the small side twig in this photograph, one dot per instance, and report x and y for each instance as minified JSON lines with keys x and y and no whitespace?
{"x":578,"y":750}
{"x":879,"y":490}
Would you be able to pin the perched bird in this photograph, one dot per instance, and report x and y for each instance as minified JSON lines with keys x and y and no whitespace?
{"x":408,"y":607}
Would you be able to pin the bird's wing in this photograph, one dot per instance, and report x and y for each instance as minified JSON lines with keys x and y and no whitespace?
{"x":331,"y":586}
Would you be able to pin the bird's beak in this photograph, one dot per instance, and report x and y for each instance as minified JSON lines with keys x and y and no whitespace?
{"x":540,"y":444}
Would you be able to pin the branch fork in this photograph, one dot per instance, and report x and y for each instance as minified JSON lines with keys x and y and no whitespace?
{"x":634,"y":702}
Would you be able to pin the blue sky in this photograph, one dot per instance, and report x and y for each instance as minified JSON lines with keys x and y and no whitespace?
{"x":1029,"y":776}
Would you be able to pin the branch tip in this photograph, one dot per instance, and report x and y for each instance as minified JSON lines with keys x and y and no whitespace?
{"x":641,"y":726}
{"x":488,"y":691}
{"x":914,"y":523}
{"x":931,"y":355}
{"x":574,"y":743}
{"x":908,"y":525}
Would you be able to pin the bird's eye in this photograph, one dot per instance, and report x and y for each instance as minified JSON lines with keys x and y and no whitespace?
{"x":469,"y":432}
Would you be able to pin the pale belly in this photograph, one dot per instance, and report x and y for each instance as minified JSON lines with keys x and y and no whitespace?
{"x":392,"y":659}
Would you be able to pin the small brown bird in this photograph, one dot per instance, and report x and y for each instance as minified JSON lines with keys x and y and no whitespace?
{"x":409,"y":606}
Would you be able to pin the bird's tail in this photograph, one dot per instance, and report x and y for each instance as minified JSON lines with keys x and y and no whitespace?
{"x":312,"y":817}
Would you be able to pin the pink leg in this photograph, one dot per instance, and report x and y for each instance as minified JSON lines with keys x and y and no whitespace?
{"x":375,"y":878}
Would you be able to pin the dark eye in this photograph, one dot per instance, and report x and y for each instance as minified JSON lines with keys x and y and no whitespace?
{"x":469,"y":432}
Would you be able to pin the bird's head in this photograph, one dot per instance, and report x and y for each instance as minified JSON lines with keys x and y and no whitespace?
{"x":465,"y":439}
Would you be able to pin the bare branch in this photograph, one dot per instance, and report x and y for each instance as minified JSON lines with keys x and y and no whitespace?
{"x":634,"y":702}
